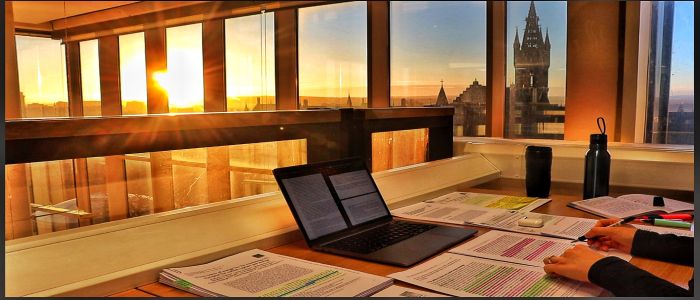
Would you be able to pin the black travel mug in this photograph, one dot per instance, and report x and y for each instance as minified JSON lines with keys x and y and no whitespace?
{"x":538,"y":171}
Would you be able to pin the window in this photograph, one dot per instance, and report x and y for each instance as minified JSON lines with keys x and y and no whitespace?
{"x":250,"y":63}
{"x":90,"y":78}
{"x":184,"y":80}
{"x":438,"y":57}
{"x":333,"y":55}
{"x":536,"y":69}
{"x":43,"y":87}
{"x":132,"y":73}
{"x":670,"y":90}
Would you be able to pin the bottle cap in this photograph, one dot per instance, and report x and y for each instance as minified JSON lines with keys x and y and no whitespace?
{"x":599,"y":139}
{"x":538,"y":149}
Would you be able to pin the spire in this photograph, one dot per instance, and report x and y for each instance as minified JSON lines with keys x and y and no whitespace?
{"x":516,"y":43}
{"x":349,"y":104}
{"x":442,"y":97}
{"x":546,"y":40}
{"x":532,"y":12}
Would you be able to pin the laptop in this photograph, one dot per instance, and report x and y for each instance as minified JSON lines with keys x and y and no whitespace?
{"x":339,"y":210}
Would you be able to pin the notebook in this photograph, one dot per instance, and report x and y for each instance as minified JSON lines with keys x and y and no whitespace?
{"x":629,"y":205}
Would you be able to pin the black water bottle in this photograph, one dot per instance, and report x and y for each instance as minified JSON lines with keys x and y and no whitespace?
{"x":596,"y":178}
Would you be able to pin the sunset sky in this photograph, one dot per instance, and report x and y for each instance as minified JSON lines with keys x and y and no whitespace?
{"x":430,"y":41}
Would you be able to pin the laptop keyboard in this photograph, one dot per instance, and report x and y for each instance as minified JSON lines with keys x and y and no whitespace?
{"x":380,"y":237}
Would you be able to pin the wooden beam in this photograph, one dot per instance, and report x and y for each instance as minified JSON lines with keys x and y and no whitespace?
{"x":214,"y":52}
{"x":214,"y":62}
{"x":94,"y":27}
{"x":156,"y":61}
{"x":17,"y":195}
{"x":286,"y":59}
{"x":378,"y":60}
{"x":120,"y":12}
{"x":110,"y":88}
{"x":13,"y":109}
{"x":495,"y":67}
{"x":75,"y":92}
{"x":82,"y":188}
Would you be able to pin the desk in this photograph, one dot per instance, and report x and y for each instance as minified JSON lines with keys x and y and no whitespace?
{"x":561,"y":194}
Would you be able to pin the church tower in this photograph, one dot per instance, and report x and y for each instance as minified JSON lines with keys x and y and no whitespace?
{"x":442,"y":97}
{"x":531,"y":61}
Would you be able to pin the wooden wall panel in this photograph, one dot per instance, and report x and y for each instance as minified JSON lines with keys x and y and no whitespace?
{"x":495,"y":67}
{"x":592,"y":62}
{"x":378,"y":59}
{"x":286,"y":59}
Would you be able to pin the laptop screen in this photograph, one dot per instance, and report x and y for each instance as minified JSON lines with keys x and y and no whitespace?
{"x":332,"y":197}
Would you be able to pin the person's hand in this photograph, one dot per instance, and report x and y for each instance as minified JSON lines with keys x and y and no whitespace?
{"x":574,"y":263}
{"x":619,"y":237}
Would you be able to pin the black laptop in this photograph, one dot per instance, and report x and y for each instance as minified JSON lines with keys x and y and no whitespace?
{"x":339,"y":210}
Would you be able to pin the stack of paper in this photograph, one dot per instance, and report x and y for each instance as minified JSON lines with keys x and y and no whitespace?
{"x":257,"y":273}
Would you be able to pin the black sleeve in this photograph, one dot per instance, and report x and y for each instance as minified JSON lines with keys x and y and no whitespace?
{"x":623,"y":279}
{"x":665,"y":247}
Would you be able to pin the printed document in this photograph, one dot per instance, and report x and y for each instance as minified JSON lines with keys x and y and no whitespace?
{"x":399,"y":291}
{"x":257,"y":273}
{"x":490,"y":200}
{"x":629,"y":205}
{"x":556,"y":226}
{"x":466,"y":276}
{"x":521,"y":248}
{"x":665,"y":230}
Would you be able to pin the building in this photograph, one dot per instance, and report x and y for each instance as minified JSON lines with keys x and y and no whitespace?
{"x":530,"y":114}
{"x":681,"y":128}
{"x":470,"y":111}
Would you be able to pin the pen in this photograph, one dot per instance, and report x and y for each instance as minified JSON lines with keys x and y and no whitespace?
{"x":618,"y":223}
{"x":668,"y":223}
{"x":685,"y":217}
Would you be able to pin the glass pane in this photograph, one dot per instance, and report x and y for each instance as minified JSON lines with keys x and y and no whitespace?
{"x":536,"y":69}
{"x":250,"y":63}
{"x":43,"y":197}
{"x":251,"y":165}
{"x":671,"y":90}
{"x":132,"y":73}
{"x":438,"y":57}
{"x":139,"y":185}
{"x":394,"y":149}
{"x":41,"y":63}
{"x":90,"y":78}
{"x":184,"y":80}
{"x":333,"y":55}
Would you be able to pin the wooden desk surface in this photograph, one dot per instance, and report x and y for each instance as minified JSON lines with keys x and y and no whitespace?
{"x":561,"y":194}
